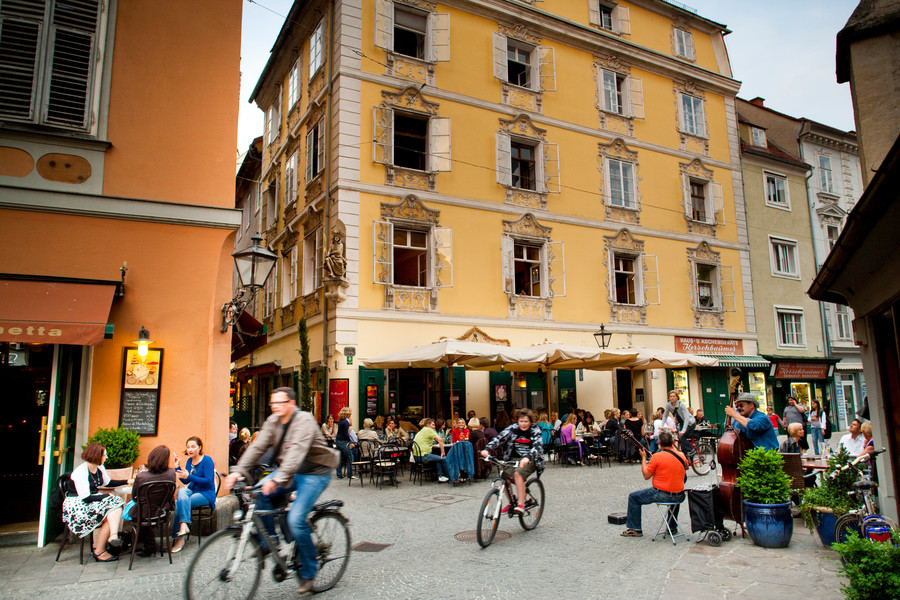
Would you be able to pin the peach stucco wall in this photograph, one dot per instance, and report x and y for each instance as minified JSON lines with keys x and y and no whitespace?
{"x":175,"y":141}
{"x":177,"y":279}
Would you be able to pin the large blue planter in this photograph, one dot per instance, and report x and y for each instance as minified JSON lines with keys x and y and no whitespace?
{"x":825,"y":527}
{"x":769,"y":525}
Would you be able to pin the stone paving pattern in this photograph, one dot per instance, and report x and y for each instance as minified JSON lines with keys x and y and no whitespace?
{"x":574,"y":553}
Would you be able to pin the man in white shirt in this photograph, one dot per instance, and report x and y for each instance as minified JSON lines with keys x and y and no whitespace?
{"x":854,"y":442}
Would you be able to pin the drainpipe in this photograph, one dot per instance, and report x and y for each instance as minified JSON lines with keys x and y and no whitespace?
{"x":326,"y":239}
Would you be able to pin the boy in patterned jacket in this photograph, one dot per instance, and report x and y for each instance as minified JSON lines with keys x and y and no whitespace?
{"x":520,"y":441}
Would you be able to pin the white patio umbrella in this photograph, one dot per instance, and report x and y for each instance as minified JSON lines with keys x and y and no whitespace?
{"x":449,"y":352}
{"x":651,"y":358}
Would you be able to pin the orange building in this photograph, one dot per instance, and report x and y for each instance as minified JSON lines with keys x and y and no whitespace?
{"x":117,"y":157}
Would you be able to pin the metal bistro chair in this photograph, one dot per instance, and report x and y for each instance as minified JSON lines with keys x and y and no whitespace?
{"x":155,"y":503}
{"x":385,"y":464}
{"x":205,"y":514}
{"x":363,"y":465}
{"x":417,"y":468}
{"x":65,"y":486}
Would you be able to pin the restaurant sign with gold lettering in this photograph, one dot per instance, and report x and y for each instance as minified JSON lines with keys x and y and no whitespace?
{"x":799,"y":370}
{"x":699,"y":345}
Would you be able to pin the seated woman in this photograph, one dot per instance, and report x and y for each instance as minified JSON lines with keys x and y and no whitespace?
{"x":489,"y":432}
{"x":237,"y":446}
{"x":567,"y":436}
{"x":329,"y":430}
{"x":85,"y":509}
{"x":546,"y":429}
{"x":460,"y":433}
{"x":475,"y":431}
{"x":393,"y":433}
{"x":199,"y":475}
{"x":792,"y":444}
{"x":635,"y":425}
{"x":157,"y":470}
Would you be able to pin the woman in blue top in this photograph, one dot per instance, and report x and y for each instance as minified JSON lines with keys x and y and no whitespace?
{"x":199,"y":475}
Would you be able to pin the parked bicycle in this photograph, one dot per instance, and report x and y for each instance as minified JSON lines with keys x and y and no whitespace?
{"x":703,"y":455}
{"x":229,"y":563}
{"x":492,"y":507}
{"x":865,"y":520}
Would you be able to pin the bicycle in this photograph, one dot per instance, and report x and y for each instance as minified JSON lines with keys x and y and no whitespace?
{"x":491,"y":506}
{"x":864,"y":521}
{"x":703,"y":455}
{"x":229,"y":563}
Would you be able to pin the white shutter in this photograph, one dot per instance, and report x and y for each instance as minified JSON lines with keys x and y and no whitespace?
{"x":320,"y":256}
{"x":650,"y":281}
{"x":718,"y":202}
{"x":594,"y":12}
{"x":501,"y":64}
{"x":70,"y":71}
{"x":689,"y":45}
{"x":611,"y":276}
{"x":636,"y":91}
{"x":295,"y":267}
{"x":442,"y":240}
{"x":383,"y":135}
{"x":384,"y":24}
{"x":310,"y":154}
{"x":726,"y":288}
{"x":383,"y":252}
{"x":439,"y":144}
{"x":547,"y":68}
{"x":622,"y":19}
{"x":507,"y":247}
{"x":504,"y":159}
{"x":686,"y":191}
{"x":320,"y":163}
{"x":556,"y":269}
{"x":439,"y":32}
{"x":551,"y":181}
{"x":679,"y":110}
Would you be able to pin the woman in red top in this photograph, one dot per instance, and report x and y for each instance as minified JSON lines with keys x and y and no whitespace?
{"x":460,"y":433}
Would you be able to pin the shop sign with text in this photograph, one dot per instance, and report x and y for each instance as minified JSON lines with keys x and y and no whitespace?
{"x":796,"y":370}
{"x":699,"y":345}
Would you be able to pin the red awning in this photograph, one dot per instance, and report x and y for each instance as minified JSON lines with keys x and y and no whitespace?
{"x":247,"y":335}
{"x":55,"y":312}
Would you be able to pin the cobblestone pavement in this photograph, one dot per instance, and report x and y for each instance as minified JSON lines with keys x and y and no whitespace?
{"x":574,"y":553}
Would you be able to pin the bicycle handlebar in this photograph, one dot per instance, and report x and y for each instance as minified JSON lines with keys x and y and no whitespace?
{"x":861,"y":458}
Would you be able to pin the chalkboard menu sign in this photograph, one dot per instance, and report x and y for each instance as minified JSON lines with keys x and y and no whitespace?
{"x":139,"y":411}
{"x":139,"y":406}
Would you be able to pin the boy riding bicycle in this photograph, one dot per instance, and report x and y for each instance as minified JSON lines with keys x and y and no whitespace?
{"x":522,"y":441}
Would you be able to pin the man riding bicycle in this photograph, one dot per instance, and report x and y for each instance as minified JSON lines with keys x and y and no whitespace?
{"x":305,"y":463}
{"x":522,"y":440}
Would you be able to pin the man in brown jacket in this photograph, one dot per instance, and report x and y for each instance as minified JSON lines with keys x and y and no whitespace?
{"x":305,"y":464}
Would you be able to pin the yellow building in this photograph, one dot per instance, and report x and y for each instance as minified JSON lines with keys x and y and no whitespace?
{"x":512,"y":171}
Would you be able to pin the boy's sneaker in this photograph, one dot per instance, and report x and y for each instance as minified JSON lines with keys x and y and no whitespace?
{"x":519,"y":509}
{"x":443,"y":479}
{"x":305,"y":586}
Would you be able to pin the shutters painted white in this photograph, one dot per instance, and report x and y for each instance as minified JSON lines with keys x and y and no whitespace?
{"x":718,"y":202}
{"x":686,"y":193}
{"x":551,"y":180}
{"x":556,"y":269}
{"x":320,"y":158}
{"x":650,"y":288}
{"x":439,"y":36}
{"x":679,"y":110}
{"x":636,"y":92}
{"x":546,"y":68}
{"x":622,"y":19}
{"x":320,"y":256}
{"x":310,"y":155}
{"x":383,"y":252}
{"x":504,"y":159}
{"x":501,"y":66}
{"x":594,"y":12}
{"x":383,"y":135}
{"x":439,"y":144}
{"x":384,"y":24}
{"x":442,"y":242}
{"x":286,"y":279}
{"x":726,"y":288}
{"x":507,"y":248}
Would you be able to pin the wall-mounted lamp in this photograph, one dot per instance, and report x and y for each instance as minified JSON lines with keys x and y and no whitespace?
{"x":253,"y":264}
{"x":143,"y":341}
{"x":602,"y":337}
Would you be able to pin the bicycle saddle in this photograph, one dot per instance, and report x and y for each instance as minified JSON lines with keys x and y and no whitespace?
{"x":864,"y":485}
{"x":328,"y":504}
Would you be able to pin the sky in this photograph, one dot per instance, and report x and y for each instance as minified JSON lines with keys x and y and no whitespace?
{"x":781,"y":50}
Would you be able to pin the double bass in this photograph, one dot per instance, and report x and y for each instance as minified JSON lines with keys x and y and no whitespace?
{"x":732,"y":446}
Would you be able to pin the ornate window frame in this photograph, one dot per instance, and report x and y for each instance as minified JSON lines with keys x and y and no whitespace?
{"x":543,"y":67}
{"x":528,"y":230}
{"x":715,"y":205}
{"x":646,"y":268}
{"x":691,"y":142}
{"x":618,"y":150}
{"x":714,"y":316}
{"x":546,"y":162}
{"x":632,"y":96}
{"x":437,"y":41}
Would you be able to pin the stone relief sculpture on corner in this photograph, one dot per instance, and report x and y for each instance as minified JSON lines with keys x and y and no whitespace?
{"x":335,"y":265}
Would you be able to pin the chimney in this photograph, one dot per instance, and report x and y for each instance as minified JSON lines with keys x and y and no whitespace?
{"x":760,"y":102}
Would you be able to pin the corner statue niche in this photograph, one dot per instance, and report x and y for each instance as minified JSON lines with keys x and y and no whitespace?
{"x":336,"y":269}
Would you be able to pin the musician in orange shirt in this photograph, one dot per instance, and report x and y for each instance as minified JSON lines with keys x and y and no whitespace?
{"x":667,"y":469}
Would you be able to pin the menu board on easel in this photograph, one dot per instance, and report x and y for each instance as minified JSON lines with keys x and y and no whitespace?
{"x":139,"y":405}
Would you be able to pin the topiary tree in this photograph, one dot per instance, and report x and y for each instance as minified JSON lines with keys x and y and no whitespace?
{"x":123,"y":446}
{"x":762,"y":478}
{"x":306,"y":391}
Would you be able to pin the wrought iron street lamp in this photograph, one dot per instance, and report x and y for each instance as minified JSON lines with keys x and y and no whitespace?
{"x":253,"y":264}
{"x":602,"y":337}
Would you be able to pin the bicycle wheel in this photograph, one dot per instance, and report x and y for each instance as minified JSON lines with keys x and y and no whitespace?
{"x":489,"y":517}
{"x":332,"y":539}
{"x":707,"y":449}
{"x":845,"y":525}
{"x":700,"y":461}
{"x":217,"y":571}
{"x":534,"y":505}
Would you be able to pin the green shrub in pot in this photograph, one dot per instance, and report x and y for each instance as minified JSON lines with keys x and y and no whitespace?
{"x":872,"y":567}
{"x":762,"y":479}
{"x":834,"y":493}
{"x":123,"y":446}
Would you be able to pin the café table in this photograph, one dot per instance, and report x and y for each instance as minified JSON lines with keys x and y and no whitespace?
{"x":814,"y":462}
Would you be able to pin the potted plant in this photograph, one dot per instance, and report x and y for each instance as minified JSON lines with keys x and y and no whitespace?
{"x":871,"y":568}
{"x":766,"y":489}
{"x":123,"y":446}
{"x":821,"y":506}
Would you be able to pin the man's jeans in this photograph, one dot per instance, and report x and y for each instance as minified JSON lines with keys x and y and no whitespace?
{"x":440,"y":465}
{"x":185,"y":501}
{"x":649,"y":496}
{"x":308,"y":488}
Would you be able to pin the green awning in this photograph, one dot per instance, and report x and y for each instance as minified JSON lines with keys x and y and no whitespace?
{"x":729,"y":360}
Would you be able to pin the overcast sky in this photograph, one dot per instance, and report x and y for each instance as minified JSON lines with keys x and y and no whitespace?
{"x":780,"y":50}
